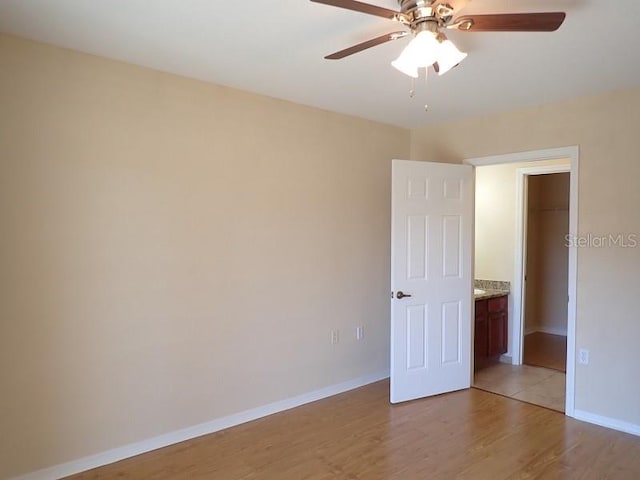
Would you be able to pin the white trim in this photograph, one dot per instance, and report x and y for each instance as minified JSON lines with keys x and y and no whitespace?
{"x":126,"y":451}
{"x":572,"y":307}
{"x":520,"y":254}
{"x":573,"y":154}
{"x":519,"y":157}
{"x":472,"y":371}
{"x":608,"y":422}
{"x":506,"y":358}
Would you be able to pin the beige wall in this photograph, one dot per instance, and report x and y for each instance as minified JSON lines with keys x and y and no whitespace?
{"x":174,"y":251}
{"x":605,"y":127}
{"x":547,"y":253}
{"x":495,"y":219}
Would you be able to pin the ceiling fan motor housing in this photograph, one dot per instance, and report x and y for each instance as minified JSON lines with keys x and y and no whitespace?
{"x":417,"y":12}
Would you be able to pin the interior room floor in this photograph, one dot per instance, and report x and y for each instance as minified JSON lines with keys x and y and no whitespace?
{"x":359,"y":435}
{"x":545,"y":350}
{"x":537,"y":385}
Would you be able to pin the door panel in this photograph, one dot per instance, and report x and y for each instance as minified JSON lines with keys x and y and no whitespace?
{"x":452,"y":245}
{"x":416,"y":337}
{"x":451,"y":326}
{"x":417,"y":248}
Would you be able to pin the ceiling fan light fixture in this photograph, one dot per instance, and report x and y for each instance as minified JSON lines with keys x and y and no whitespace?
{"x":421,"y":52}
{"x":427,"y":48}
{"x":405,"y":66}
{"x":448,"y":56}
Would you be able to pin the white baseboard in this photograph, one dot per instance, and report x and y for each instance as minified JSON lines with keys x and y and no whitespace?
{"x":607,"y":422}
{"x":550,"y":330}
{"x":506,"y":358}
{"x":126,"y":451}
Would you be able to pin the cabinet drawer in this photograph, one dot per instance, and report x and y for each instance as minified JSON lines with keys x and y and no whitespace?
{"x":498,"y":304}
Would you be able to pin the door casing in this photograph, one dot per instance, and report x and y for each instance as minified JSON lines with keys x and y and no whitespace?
{"x":572,"y":154}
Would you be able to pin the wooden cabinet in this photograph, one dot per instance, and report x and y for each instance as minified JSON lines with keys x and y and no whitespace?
{"x":491,"y":334}
{"x":481,"y":338}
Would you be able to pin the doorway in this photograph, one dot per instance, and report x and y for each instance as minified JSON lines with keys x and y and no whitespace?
{"x":546,"y":271}
{"x":533,"y":165}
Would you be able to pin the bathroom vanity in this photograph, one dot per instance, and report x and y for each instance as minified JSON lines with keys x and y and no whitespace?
{"x":491,"y":328}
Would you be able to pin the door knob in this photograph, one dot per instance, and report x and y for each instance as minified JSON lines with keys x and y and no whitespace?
{"x":401,"y":294}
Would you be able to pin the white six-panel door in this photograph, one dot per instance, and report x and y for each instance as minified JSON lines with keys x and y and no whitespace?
{"x":432,"y":212}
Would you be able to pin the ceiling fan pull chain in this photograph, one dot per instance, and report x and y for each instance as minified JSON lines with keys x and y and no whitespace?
{"x":426,"y":87}
{"x":412,"y":90}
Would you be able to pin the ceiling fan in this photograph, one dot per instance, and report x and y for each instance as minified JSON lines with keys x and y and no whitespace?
{"x":427,"y":18}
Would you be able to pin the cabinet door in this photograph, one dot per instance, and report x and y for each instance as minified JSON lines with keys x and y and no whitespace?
{"x":481,"y":335}
{"x":497,"y":323}
{"x":481,"y":339}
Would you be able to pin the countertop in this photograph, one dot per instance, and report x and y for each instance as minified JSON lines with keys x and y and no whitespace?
{"x":491,"y":293}
{"x":492,"y":288}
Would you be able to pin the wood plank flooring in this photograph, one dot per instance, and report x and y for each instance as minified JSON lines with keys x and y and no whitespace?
{"x":358,"y":435}
{"x":545,"y":350}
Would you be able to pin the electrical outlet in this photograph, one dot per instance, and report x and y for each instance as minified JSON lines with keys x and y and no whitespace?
{"x":335,"y":336}
{"x":359,"y":332}
{"x":584,"y":356}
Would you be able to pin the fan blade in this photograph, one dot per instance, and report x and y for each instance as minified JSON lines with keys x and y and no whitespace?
{"x":511,"y":22}
{"x":361,"y":7}
{"x":364,"y":45}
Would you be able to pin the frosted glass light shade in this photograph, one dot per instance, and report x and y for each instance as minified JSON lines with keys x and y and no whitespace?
{"x":448,"y":56}
{"x":404,"y":64}
{"x":422,"y":51}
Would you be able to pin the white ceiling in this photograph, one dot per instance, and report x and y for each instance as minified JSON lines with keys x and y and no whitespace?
{"x":276,"y":48}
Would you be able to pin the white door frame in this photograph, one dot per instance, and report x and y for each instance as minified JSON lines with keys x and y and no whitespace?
{"x":571,"y":153}
{"x":520,"y":257}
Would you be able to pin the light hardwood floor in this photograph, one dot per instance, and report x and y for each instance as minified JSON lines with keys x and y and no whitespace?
{"x":358,"y":435}
{"x":545,"y":350}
